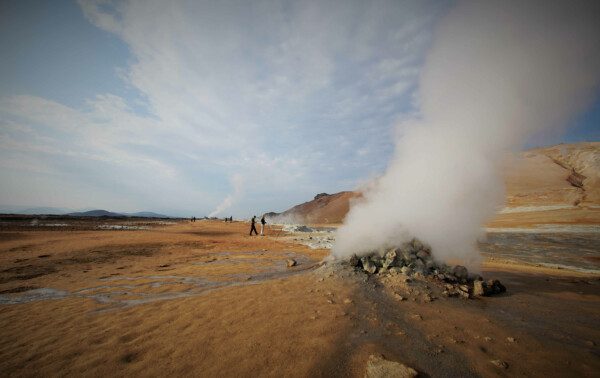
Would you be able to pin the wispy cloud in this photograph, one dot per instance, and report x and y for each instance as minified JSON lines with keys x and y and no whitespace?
{"x":292,"y":97}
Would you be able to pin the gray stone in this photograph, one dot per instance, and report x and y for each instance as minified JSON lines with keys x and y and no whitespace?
{"x":354,"y":261}
{"x":423,"y":255}
{"x":368,"y":265}
{"x":429,"y":263}
{"x":419,"y":265}
{"x":460,"y":272}
{"x":417,"y":245}
{"x":450,"y":277}
{"x":377,"y":260}
{"x":379,"y":367}
{"x":407,"y":254}
{"x":389,"y":258}
{"x":495,"y":287}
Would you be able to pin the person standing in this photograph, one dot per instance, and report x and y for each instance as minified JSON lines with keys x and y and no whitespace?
{"x":262,"y":225}
{"x":253,"y":227}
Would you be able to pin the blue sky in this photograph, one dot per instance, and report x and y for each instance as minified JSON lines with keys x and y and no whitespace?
{"x":177,"y":106}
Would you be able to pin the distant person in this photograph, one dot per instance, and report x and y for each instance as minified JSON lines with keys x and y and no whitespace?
{"x":231,"y":218}
{"x":262,"y":225}
{"x":253,"y":227}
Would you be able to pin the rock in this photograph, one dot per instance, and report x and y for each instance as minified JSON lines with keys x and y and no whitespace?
{"x":479,"y":288}
{"x":407,"y":255}
{"x":450,"y":277}
{"x":460,"y":272}
{"x":423,"y":255}
{"x":354,"y":261}
{"x":291,"y":263}
{"x":368,"y":265}
{"x":418,"y":265}
{"x":379,"y":367}
{"x":347,"y":301}
{"x":406,"y":271}
{"x":303,"y":228}
{"x":389,"y":259}
{"x":499,"y":363}
{"x":416,"y":244}
{"x":510,"y":339}
{"x":495,"y":287}
{"x":429,"y":263}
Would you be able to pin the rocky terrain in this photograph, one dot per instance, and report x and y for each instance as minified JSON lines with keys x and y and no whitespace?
{"x":414,"y":261}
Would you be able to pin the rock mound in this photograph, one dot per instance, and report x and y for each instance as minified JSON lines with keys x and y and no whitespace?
{"x":414,"y":259}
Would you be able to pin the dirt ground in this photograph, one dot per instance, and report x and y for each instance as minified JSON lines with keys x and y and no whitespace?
{"x":206,"y":299}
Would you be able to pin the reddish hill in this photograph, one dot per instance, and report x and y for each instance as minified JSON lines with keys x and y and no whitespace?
{"x":324,"y":208}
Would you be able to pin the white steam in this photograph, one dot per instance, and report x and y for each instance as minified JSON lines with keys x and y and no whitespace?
{"x":238,"y":182}
{"x":497,"y":73}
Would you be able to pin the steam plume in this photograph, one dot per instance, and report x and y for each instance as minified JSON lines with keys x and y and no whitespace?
{"x":237,"y":181}
{"x":497,"y":73}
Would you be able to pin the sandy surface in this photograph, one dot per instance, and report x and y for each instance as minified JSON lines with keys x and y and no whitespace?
{"x":205,"y":299}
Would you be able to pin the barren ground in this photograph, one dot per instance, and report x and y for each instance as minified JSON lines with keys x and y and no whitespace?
{"x":205,"y":299}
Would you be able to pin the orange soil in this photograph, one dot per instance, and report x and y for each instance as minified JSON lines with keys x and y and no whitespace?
{"x":298,"y":325}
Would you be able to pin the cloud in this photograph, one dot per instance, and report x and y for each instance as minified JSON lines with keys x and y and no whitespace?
{"x":288,"y":96}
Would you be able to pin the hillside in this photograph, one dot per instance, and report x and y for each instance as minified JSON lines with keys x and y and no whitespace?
{"x":324,"y":208}
{"x":565,"y":175}
{"x":557,"y":184}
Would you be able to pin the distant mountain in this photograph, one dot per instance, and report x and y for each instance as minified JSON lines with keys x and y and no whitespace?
{"x":96,"y":213}
{"x":105,"y":213}
{"x":146,"y":214}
